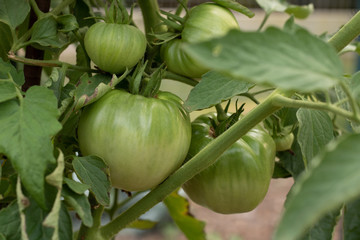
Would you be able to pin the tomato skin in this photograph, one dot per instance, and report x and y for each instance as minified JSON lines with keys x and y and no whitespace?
{"x":178,"y":61}
{"x":284,"y":143}
{"x":204,"y":22}
{"x":114,"y":47}
{"x":207,"y":21}
{"x":142,"y":140}
{"x":238,"y":181}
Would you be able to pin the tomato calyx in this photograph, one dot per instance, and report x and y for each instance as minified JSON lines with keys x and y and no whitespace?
{"x":224,"y":120}
{"x":117,"y":13}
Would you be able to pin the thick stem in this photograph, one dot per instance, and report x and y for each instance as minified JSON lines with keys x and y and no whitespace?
{"x":206,"y":157}
{"x":347,"y":33}
{"x":150,"y":11}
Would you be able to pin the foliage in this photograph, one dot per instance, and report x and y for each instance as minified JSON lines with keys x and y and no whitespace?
{"x":45,"y":176}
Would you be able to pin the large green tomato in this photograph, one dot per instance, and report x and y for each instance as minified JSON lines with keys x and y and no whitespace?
{"x":239,"y":180}
{"x":204,"y":22}
{"x":142,"y":140}
{"x":114,"y":47}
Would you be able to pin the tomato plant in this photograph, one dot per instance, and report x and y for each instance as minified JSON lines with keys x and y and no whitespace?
{"x":284,"y":142}
{"x":106,"y":142}
{"x":123,"y":129}
{"x":114,"y":47}
{"x":240,"y":178}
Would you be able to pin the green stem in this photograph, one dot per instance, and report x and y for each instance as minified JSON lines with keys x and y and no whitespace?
{"x":63,"y":4}
{"x":221,"y":114}
{"x":266,"y":17}
{"x":347,"y":33}
{"x":349,"y":95}
{"x":179,"y":78}
{"x":48,"y":63}
{"x":292,"y":103}
{"x":201,"y":161}
{"x":150,"y":11}
{"x":36,"y":9}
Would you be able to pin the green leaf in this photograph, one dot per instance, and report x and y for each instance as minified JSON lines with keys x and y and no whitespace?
{"x":142,"y":224}
{"x":80,"y":203}
{"x":94,"y":172}
{"x":178,"y":208}
{"x":7,"y":90}
{"x":292,"y":160}
{"x":82,"y":12}
{"x":77,"y":187}
{"x":26,"y":131}
{"x":324,"y":228}
{"x":14,"y":12}
{"x":92,"y":88}
{"x":6,"y":39}
{"x":55,"y":179}
{"x":10,"y":222}
{"x":315,"y":131}
{"x":65,"y":223}
{"x":290,"y":61}
{"x":67,"y":23}
{"x":231,"y":4}
{"x":355,"y":86}
{"x":300,"y":12}
{"x":351,"y":220}
{"x":272,"y":5}
{"x":7,"y":68}
{"x":330,"y":181}
{"x":214,"y":88}
{"x":45,"y":33}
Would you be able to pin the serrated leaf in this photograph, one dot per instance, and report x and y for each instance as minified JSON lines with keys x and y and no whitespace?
{"x":45,"y":33}
{"x":178,"y":208}
{"x":80,"y":203}
{"x":10,"y":222}
{"x":94,"y":172}
{"x":272,"y":5}
{"x":14,"y":12}
{"x":67,"y":23}
{"x":6,"y":39}
{"x":92,"y":88}
{"x":77,"y":187}
{"x":351,"y":220}
{"x":295,"y":61}
{"x":315,"y":131}
{"x":7,"y":68}
{"x":214,"y":88}
{"x":327,"y":184}
{"x":26,"y":131}
{"x":142,"y":224}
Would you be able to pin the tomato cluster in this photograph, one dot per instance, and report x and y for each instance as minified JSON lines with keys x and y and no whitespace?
{"x":204,"y":21}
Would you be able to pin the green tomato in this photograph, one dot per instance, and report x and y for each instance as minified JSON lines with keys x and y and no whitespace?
{"x":142,"y":140}
{"x":239,"y":180}
{"x":284,"y":142}
{"x":114,"y":47}
{"x":204,"y":22}
{"x":178,"y":61}
{"x":207,"y":21}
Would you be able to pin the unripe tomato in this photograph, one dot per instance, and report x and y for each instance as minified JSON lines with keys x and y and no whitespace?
{"x":142,"y":140}
{"x":204,"y":22}
{"x":207,"y":21}
{"x":178,"y":61}
{"x":284,"y":142}
{"x":114,"y":47}
{"x":239,"y":180}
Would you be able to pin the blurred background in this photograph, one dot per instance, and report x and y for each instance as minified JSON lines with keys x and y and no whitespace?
{"x":328,"y":17}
